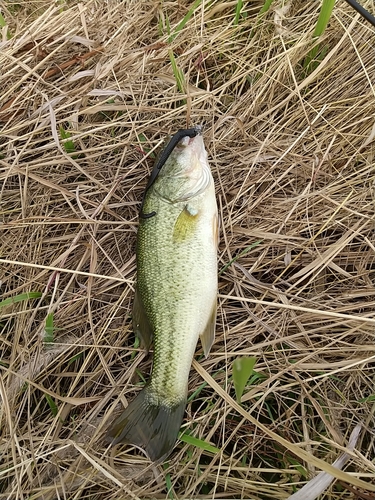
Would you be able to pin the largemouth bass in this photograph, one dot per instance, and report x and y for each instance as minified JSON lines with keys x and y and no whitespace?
{"x":176,"y":293}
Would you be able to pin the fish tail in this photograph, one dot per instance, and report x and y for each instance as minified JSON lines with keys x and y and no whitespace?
{"x":149,"y":423}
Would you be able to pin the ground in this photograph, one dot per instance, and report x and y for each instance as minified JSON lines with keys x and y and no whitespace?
{"x":88,"y":92}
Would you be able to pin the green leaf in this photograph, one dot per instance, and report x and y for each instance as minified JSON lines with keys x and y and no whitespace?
{"x":20,"y":298}
{"x":68,"y":145}
{"x":243,"y":368}
{"x":142,"y":138}
{"x":2,"y":24}
{"x":198,"y":443}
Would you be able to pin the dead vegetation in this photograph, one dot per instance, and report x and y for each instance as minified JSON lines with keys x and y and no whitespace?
{"x":88,"y":92}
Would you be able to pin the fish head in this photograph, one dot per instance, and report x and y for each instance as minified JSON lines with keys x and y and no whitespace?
{"x":186,"y":172}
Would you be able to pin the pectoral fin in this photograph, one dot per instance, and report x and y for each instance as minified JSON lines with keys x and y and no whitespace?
{"x":185,"y":224}
{"x":208,"y":335}
{"x":141,"y":325}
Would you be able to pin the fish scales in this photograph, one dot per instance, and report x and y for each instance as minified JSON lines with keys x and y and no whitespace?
{"x":175,"y":278}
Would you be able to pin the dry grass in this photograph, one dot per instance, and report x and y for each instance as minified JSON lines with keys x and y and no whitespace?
{"x":293,"y":159}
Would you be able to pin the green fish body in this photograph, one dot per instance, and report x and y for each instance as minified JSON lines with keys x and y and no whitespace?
{"x":176,"y":294}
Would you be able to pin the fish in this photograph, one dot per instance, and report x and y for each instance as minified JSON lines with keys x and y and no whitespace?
{"x":175,"y":299}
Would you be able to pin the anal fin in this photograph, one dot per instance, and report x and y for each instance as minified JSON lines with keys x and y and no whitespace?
{"x":208,"y":335}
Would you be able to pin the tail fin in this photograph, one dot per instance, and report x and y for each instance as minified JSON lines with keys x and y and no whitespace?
{"x":149,"y":424}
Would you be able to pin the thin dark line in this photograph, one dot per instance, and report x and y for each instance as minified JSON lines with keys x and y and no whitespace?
{"x":361,"y":10}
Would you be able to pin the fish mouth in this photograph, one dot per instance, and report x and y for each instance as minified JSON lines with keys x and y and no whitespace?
{"x":194,"y":143}
{"x":187,"y":140}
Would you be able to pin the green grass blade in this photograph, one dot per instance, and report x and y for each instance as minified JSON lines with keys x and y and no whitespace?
{"x":256,"y":377}
{"x":168,"y":482}
{"x":20,"y":298}
{"x":237,"y":16}
{"x":179,"y":76}
{"x":198,"y":443}
{"x":180,"y":81}
{"x":75,"y":358}
{"x":52,"y":405}
{"x":316,"y":54}
{"x":243,"y":368}
{"x":301,"y":470}
{"x":324,"y":17}
{"x":266,"y":6}
{"x":244,"y":252}
{"x":49,"y":330}
{"x":196,"y":392}
{"x":369,"y":399}
{"x":137,"y":343}
{"x":185,"y":19}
